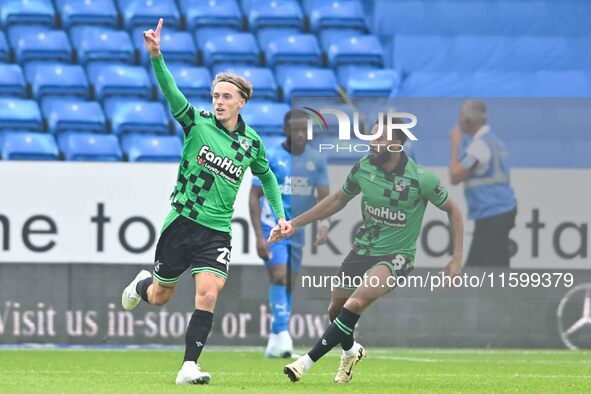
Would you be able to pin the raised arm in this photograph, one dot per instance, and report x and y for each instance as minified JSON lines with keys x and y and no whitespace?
{"x":178,"y":102}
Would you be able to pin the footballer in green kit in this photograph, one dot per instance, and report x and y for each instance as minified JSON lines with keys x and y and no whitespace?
{"x":395,"y":192}
{"x":218,"y":149}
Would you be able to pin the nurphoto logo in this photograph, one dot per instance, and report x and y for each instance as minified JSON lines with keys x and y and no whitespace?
{"x":394,"y":121}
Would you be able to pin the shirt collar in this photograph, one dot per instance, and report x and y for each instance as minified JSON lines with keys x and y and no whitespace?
{"x":240,"y":129}
{"x":482,"y":131}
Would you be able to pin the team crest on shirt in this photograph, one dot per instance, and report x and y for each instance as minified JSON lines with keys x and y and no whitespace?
{"x":244,"y":144}
{"x":310,"y":166}
{"x":372,"y":176}
{"x":205,"y":114}
{"x":400,"y":185}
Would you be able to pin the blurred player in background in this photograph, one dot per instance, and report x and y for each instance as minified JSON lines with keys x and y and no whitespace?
{"x":395,"y":192}
{"x":303,"y":180}
{"x":217,"y":151}
{"x":482,"y":165}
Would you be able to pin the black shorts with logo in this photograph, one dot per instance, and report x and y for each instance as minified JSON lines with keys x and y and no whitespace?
{"x":355,"y":266}
{"x":185,"y":243}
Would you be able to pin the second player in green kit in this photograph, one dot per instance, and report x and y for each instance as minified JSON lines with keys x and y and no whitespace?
{"x":218,"y":149}
{"x":395,"y":192}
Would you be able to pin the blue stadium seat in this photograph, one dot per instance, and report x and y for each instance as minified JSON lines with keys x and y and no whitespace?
{"x":17,"y":113}
{"x":70,"y":113}
{"x":203,"y":34}
{"x":161,"y":148}
{"x":218,"y":13}
{"x":262,"y":79}
{"x":296,"y":48}
{"x":49,"y":78}
{"x":334,"y":13}
{"x":265,"y":35}
{"x":306,"y":81}
{"x":368,"y":81}
{"x":39,"y":12}
{"x":191,"y":80}
{"x":132,"y":115}
{"x":111,"y":79}
{"x":83,"y":146}
{"x":365,"y":49}
{"x":329,"y":36}
{"x":100,"y":43}
{"x":4,"y":48}
{"x":177,"y":46}
{"x":29,"y":146}
{"x":39,"y":42}
{"x":12,"y":80}
{"x":273,"y":13}
{"x":235,"y":47}
{"x":266,"y":117}
{"x":147,"y":12}
{"x":87,"y":12}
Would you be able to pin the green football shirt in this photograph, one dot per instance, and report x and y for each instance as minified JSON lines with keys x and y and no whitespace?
{"x":213,"y":162}
{"x":392,"y":205}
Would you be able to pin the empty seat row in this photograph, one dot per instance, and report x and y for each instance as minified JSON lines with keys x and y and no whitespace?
{"x":196,"y":13}
{"x":102,"y":80}
{"x":84,"y":146}
{"x":216,"y":45}
{"x":121,"y":116}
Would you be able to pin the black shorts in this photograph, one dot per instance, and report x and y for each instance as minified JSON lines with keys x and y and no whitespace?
{"x":185,"y":243}
{"x":355,"y":266}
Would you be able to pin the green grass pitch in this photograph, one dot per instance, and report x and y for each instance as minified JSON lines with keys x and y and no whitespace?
{"x":247,"y":371}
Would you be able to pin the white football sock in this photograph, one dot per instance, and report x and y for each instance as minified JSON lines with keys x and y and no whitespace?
{"x":353,"y":351}
{"x":307,"y":362}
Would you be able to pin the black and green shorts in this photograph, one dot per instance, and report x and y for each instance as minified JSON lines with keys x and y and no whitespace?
{"x":355,"y":266}
{"x":185,"y":243}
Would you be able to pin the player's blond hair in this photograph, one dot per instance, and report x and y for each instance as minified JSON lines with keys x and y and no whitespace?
{"x":242,"y":84}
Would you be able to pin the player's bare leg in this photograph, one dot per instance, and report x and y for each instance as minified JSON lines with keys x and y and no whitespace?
{"x":344,"y":324}
{"x":207,"y":288}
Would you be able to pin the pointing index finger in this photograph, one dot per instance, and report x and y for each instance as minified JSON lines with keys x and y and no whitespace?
{"x":160,"y":23}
